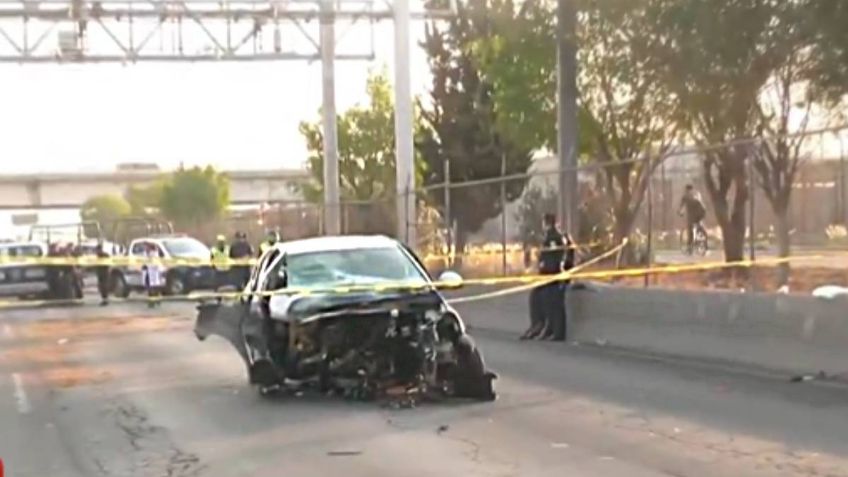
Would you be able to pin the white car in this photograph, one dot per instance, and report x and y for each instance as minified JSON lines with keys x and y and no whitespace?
{"x":179,"y":279}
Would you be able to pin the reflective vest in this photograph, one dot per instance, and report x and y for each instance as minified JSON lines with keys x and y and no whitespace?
{"x":221,"y":258}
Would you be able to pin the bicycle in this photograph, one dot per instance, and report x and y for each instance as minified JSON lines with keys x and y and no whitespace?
{"x":699,"y":242}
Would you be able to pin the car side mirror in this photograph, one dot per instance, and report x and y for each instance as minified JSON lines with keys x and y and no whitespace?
{"x":449,"y":280}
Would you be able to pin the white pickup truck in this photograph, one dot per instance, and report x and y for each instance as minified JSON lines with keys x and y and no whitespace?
{"x":179,"y":280}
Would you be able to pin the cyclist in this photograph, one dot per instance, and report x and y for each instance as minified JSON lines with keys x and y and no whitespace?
{"x":695,"y":212}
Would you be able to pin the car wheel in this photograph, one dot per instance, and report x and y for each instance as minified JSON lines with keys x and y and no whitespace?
{"x":472,"y":380}
{"x":175,"y":285}
{"x":119,"y":286}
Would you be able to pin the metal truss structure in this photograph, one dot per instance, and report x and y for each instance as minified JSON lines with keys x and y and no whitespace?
{"x":128,"y":31}
{"x":131,"y":31}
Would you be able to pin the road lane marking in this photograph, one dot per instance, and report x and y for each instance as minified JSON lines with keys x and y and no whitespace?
{"x":20,"y":394}
{"x":10,"y":333}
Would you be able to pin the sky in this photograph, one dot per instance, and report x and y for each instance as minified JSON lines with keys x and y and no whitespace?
{"x":76,"y":118}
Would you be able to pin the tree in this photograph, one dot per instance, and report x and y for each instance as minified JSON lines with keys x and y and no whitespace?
{"x":193,"y":196}
{"x":714,"y":60}
{"x":104,"y":209}
{"x":366,"y":154}
{"x":625,"y":114}
{"x":800,"y":87}
{"x":461,"y":123}
{"x":145,"y":200}
{"x":534,"y":204}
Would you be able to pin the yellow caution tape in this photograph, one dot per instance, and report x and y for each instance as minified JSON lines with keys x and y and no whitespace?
{"x":526,"y":281}
{"x":500,"y":251}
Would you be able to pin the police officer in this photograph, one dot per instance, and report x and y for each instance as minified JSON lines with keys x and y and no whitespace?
{"x":241,"y":250}
{"x":271,"y":238}
{"x":103,"y":274}
{"x":547,"y":302}
{"x":220,"y":257}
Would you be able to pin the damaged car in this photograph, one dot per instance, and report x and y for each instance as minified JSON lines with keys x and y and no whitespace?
{"x":357,"y":316}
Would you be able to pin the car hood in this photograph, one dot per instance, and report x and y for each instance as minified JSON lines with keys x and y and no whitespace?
{"x":310,"y":307}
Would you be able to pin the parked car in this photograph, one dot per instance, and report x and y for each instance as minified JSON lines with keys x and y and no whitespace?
{"x":179,"y":279}
{"x":23,"y":278}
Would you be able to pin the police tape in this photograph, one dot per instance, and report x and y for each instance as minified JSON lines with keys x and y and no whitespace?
{"x":90,"y":261}
{"x":527,"y":282}
{"x":499,"y":250}
{"x":530,"y":281}
{"x":529,"y":286}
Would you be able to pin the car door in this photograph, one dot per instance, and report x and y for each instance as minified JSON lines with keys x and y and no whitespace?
{"x":138,"y":253}
{"x":259,"y":280}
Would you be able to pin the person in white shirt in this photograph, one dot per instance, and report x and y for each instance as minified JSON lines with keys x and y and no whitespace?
{"x":152,"y":274}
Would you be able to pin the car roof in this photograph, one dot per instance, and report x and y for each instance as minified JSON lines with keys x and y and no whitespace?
{"x":332,"y":243}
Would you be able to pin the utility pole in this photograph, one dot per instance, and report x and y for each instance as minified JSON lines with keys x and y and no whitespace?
{"x":567,"y":114}
{"x":332,"y":202}
{"x":404,"y":168}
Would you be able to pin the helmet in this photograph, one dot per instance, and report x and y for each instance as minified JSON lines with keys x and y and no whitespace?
{"x":221,"y":238}
{"x":273,"y":235}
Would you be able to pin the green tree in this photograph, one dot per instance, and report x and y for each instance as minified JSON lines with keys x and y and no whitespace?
{"x":802,"y":86}
{"x":461,"y":123}
{"x":193,"y":196}
{"x":105,"y":209}
{"x":366,"y":147}
{"x":714,"y":61}
{"x":366,"y":159}
{"x":625,"y":114}
{"x":145,"y":200}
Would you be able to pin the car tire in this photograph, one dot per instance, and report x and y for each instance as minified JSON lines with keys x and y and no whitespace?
{"x":120,"y":288}
{"x":175,"y":285}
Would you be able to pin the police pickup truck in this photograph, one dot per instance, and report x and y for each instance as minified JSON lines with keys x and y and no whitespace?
{"x":22,"y":276}
{"x":179,"y":279}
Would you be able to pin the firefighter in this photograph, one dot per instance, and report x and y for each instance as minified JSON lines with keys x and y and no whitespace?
{"x":220,"y":258}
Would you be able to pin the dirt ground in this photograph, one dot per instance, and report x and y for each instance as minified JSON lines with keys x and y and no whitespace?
{"x":801,"y":279}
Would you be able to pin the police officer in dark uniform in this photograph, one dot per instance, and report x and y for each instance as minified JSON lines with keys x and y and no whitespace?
{"x":241,"y":250}
{"x":547,"y":302}
{"x":103,"y":274}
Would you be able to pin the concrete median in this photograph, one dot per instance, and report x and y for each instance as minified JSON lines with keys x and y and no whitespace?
{"x":785,"y":333}
{"x":796,"y":334}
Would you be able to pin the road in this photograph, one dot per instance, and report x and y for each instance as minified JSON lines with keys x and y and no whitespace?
{"x":127,"y":391}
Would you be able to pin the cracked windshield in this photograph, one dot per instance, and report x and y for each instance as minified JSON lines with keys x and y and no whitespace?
{"x":529,"y":238}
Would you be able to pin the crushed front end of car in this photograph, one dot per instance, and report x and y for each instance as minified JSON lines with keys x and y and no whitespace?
{"x":361,"y":346}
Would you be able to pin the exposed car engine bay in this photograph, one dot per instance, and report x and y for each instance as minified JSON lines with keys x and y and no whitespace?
{"x":354,"y":346}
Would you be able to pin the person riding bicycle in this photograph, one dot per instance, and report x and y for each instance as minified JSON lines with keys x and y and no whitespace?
{"x":695,"y":212}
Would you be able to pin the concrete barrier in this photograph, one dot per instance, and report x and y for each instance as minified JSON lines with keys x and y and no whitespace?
{"x":796,"y":334}
{"x":786,"y":333}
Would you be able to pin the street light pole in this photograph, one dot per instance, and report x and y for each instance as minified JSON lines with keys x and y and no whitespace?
{"x":567,"y":114}
{"x":332,"y":205}
{"x":405,"y":176}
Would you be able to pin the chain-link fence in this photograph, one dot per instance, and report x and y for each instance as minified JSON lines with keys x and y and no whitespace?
{"x":751,"y":190}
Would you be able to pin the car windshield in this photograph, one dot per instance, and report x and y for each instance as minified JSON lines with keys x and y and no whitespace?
{"x":353,"y":267}
{"x":186,"y":247}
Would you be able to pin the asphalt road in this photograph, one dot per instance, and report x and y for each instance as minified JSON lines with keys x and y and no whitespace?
{"x":124,"y":391}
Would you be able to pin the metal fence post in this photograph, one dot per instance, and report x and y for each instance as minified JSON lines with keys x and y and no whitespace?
{"x":843,"y":187}
{"x":503,"y":211}
{"x":447,"y":217}
{"x":649,"y":246}
{"x":751,"y":230}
